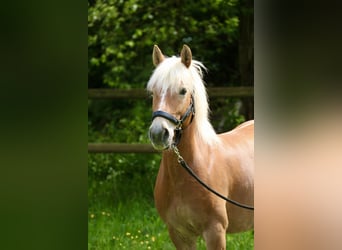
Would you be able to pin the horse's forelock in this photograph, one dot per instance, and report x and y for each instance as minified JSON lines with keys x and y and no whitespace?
{"x":171,"y":74}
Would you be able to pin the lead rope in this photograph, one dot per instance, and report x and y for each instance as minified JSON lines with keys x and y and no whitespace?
{"x":182,"y":162}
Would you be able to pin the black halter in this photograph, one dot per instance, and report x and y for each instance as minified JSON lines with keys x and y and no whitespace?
{"x":174,"y":120}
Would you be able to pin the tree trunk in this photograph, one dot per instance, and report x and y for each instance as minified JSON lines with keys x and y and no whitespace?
{"x":246,"y":54}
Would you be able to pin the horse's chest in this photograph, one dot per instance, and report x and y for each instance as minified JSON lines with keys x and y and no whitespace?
{"x":181,"y":206}
{"x":184,"y":216}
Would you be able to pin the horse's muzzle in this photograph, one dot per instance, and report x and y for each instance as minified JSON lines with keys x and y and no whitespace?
{"x":160,"y":135}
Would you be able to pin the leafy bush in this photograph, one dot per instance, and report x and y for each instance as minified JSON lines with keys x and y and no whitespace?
{"x":114,"y":176}
{"x":122,"y":34}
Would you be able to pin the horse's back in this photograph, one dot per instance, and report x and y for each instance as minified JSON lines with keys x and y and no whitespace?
{"x":243,"y":133}
{"x":246,"y":127}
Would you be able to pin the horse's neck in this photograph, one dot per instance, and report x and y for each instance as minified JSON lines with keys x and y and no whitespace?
{"x":188,"y":146}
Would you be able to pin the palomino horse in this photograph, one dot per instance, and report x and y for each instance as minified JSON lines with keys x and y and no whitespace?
{"x":225,"y":162}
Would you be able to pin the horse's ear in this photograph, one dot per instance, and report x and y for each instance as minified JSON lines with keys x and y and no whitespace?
{"x":157,"y":56}
{"x":186,"y":56}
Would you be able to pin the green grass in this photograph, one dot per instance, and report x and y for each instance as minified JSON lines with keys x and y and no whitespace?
{"x":135,"y":224}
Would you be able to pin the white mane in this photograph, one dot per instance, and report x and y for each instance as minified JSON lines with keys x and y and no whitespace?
{"x":172,"y":74}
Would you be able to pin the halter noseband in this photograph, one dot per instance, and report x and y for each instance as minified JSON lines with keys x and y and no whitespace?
{"x":174,"y":120}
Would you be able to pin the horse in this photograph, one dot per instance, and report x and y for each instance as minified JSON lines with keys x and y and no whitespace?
{"x":225,"y":162}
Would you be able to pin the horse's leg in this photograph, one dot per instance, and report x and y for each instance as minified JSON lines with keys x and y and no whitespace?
{"x":215,"y":237}
{"x":180,"y":241}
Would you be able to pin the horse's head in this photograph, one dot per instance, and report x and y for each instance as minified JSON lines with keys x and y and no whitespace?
{"x":173,"y":102}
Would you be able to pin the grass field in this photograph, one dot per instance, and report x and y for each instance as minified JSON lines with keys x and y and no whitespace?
{"x":135,"y":224}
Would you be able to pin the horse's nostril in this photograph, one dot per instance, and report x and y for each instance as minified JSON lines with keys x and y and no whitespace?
{"x":165,"y":134}
{"x":159,"y":136}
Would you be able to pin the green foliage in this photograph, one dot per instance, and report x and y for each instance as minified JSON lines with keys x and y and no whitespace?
{"x":227,"y":114}
{"x":119,"y":120}
{"x":122,"y":33}
{"x":110,"y":174}
{"x":114,"y":176}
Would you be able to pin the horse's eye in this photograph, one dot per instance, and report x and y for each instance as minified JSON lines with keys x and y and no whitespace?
{"x":182,"y":91}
